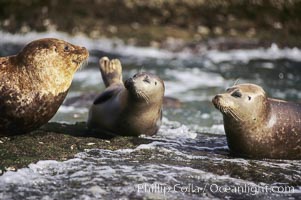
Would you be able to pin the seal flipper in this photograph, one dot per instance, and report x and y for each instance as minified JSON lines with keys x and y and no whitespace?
{"x":106,"y":95}
{"x":111,"y":71}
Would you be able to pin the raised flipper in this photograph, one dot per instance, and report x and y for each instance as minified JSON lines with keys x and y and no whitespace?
{"x":111,"y":71}
{"x":106,"y":95}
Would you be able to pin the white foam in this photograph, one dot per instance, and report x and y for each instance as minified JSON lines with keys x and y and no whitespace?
{"x":98,"y":173}
{"x":180,"y":132}
{"x":102,"y":44}
{"x":118,"y":47}
{"x":207,"y":176}
{"x":175,"y":130}
{"x":217,"y":129}
{"x":245,"y":56}
{"x":186,"y":80}
{"x":33,"y":173}
{"x":71,"y":109}
{"x":22,"y":176}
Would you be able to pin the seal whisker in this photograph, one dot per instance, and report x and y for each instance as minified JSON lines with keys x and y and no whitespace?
{"x":235,"y":83}
{"x":227,"y":111}
{"x":222,"y":109}
{"x":142,"y":95}
{"x":139,"y":95}
{"x":84,"y":64}
{"x":235,"y":116}
{"x":145,"y":97}
{"x":141,"y":69}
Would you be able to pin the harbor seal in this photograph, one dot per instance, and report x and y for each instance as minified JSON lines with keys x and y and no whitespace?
{"x":260,"y":127}
{"x":34,"y":83}
{"x":131,"y":108}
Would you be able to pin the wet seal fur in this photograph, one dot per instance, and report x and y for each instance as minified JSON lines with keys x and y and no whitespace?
{"x":260,"y":127}
{"x":131,"y":108}
{"x":34,"y":83}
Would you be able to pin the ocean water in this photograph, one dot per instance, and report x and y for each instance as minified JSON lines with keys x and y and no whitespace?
{"x":189,"y":157}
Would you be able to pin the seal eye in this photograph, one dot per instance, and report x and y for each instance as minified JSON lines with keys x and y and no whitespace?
{"x":236,"y":94}
{"x":156,"y":83}
{"x":66,"y":48}
{"x":135,"y":76}
{"x":249,"y":98}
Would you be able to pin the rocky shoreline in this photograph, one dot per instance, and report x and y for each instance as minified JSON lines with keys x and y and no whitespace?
{"x":159,"y":23}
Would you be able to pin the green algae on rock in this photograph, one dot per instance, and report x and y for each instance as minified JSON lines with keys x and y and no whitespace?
{"x":55,"y":141}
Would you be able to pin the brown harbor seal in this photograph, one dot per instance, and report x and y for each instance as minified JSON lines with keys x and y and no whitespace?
{"x":34,"y":83}
{"x":132,"y":108}
{"x":260,"y":127}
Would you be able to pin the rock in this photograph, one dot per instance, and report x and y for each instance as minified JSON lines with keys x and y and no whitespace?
{"x":55,"y":141}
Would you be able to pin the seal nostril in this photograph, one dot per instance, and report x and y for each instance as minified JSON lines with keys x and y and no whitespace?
{"x":129,"y":83}
{"x":218,"y":97}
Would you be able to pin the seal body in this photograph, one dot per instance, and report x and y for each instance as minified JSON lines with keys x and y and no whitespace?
{"x":131,"y":108}
{"x":34,"y":83}
{"x":260,"y":127}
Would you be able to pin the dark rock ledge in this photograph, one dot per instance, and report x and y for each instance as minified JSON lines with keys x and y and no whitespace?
{"x":55,"y":141}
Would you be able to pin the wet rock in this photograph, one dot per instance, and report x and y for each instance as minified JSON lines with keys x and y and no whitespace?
{"x":55,"y":141}
{"x":111,"y":168}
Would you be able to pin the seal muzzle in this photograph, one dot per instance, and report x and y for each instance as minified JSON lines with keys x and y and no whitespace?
{"x":216,"y":101}
{"x":129,"y":84}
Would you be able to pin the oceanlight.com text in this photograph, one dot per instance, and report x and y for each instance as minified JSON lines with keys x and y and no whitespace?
{"x":212,"y":188}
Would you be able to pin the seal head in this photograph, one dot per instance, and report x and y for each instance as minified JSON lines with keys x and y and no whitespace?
{"x":34,"y":83}
{"x":145,"y":87}
{"x":258,"y":126}
{"x":234,"y":102}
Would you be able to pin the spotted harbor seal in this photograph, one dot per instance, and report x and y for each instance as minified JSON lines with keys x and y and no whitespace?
{"x":131,"y":108}
{"x":34,"y":83}
{"x":258,"y":126}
